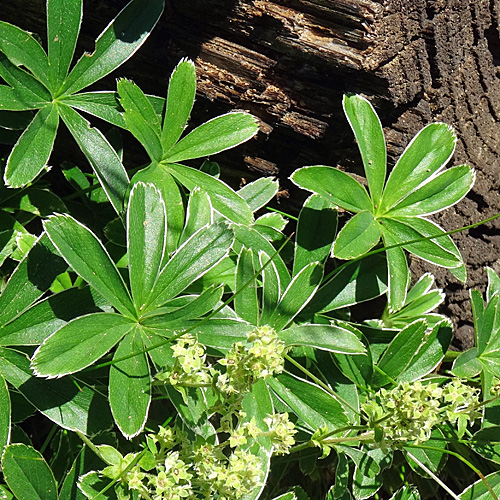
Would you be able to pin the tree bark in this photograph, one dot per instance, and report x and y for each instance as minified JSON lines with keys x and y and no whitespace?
{"x":289,"y":62}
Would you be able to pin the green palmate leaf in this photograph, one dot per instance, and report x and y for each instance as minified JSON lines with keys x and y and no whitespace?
{"x":130,"y":385}
{"x":365,"y":484}
{"x":493,"y":283}
{"x":32,"y":151}
{"x":5,"y":414}
{"x":22,"y":49}
{"x":371,"y":142}
{"x":216,"y":135}
{"x":327,"y":337}
{"x":117,"y":43}
{"x":93,"y":485}
{"x":252,"y":239}
{"x":41,"y":202}
{"x":157,"y":175}
{"x":480,"y":491}
{"x":443,"y":191}
{"x":357,"y":237}
{"x":360,"y":281}
{"x":63,"y":26}
{"x":89,"y":259}
{"x":132,"y":98}
{"x":466,"y":365}
{"x":194,"y":258}
{"x":430,"y":354}
{"x":100,"y":154}
{"x":146,"y":238}
{"x":18,"y":99}
{"x":312,"y":404}
{"x":339,"y":188}
{"x":103,"y":105}
{"x":246,"y":301}
{"x":427,"y":153}
{"x":224,"y":199}
{"x":487,"y":325}
{"x":27,"y":474}
{"x":70,"y":407}
{"x":85,"y":460}
{"x":485,"y":442}
{"x":440,"y":251}
{"x":191,"y":307}
{"x":20,"y":79}
{"x":193,"y":409}
{"x":398,"y":273}
{"x":271,"y":288}
{"x":259,"y":192}
{"x":141,"y":118}
{"x":79,"y":343}
{"x":199,"y":213}
{"x":35,"y":324}
{"x":316,"y":229}
{"x":295,"y":297}
{"x":400,"y":352}
{"x":31,"y":279}
{"x":258,"y":405}
{"x":180,"y":99}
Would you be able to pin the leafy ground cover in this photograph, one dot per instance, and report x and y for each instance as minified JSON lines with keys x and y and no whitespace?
{"x":168,"y":337}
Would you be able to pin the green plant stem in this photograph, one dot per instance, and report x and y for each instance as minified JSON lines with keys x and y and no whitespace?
{"x":426,"y":469}
{"x":456,"y":455}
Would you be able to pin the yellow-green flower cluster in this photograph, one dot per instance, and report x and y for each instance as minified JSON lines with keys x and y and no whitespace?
{"x":190,"y":368}
{"x":409,"y":412}
{"x":259,"y":357}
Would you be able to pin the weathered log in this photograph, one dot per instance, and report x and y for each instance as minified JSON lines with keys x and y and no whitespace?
{"x":290,"y":61}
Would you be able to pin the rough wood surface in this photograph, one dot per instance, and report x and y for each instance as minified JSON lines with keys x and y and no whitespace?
{"x":290,"y":61}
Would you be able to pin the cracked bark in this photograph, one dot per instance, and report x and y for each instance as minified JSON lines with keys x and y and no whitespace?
{"x":289,"y":62}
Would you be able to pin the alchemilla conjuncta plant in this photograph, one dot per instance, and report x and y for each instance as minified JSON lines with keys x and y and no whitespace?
{"x":181,"y":344}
